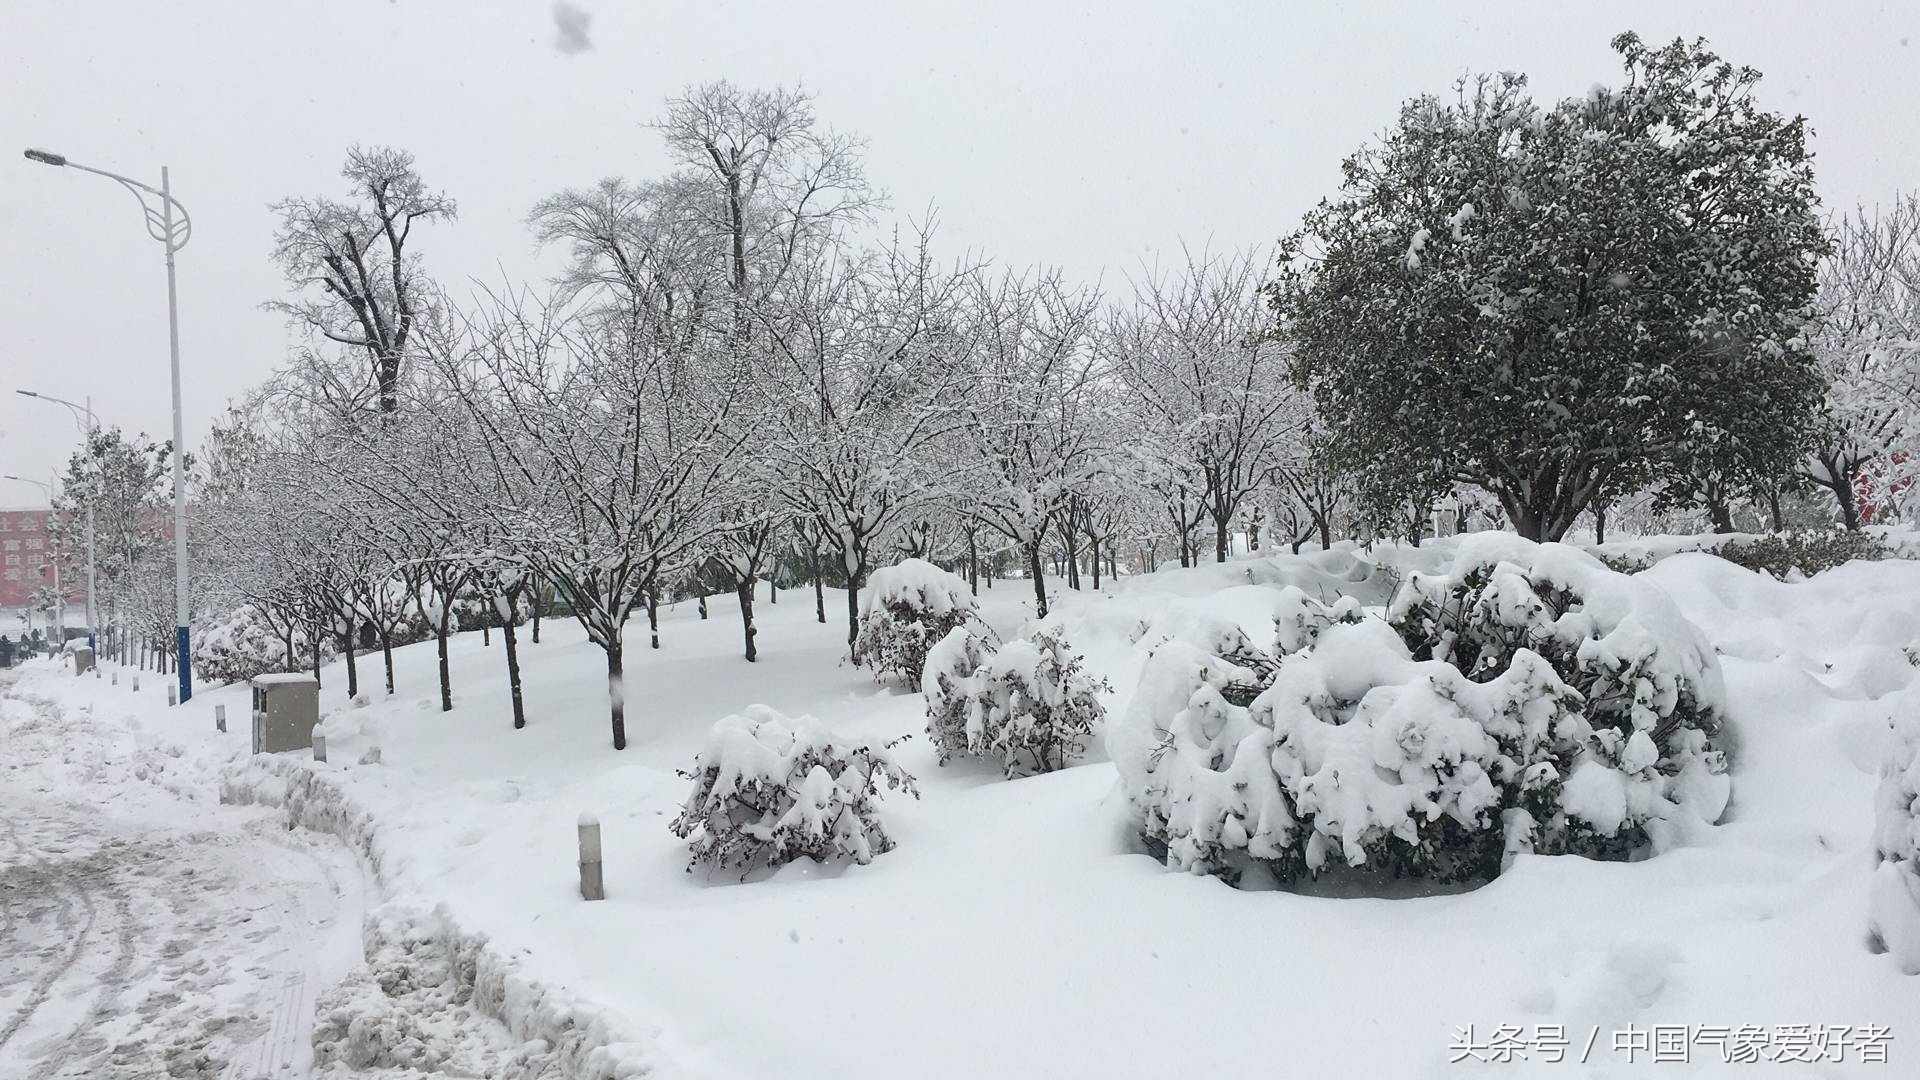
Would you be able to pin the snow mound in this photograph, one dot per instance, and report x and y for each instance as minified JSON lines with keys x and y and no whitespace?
{"x":1894,"y":901}
{"x":770,"y":789}
{"x":1524,"y":699}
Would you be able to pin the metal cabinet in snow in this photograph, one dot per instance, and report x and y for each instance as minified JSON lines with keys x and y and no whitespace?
{"x":285,"y":709}
{"x":82,"y":660}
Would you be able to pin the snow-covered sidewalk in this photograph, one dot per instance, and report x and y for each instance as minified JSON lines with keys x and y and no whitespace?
{"x":147,"y":930}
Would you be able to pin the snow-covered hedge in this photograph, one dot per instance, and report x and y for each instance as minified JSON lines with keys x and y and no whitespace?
{"x":245,"y":644}
{"x":768,"y":790}
{"x":1894,"y":901}
{"x":906,"y":608}
{"x":1528,"y":699}
{"x":1030,"y":704}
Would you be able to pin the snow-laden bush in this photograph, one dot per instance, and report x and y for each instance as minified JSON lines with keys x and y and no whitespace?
{"x":1893,"y":916}
{"x":1030,"y":704}
{"x":905,"y":610}
{"x":1528,"y":700}
{"x":768,"y":789}
{"x":245,"y":644}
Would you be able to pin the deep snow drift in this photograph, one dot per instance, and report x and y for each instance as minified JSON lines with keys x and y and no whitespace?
{"x":1019,"y":930}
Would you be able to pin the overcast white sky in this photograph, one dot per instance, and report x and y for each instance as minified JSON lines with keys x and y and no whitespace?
{"x":1083,"y":135}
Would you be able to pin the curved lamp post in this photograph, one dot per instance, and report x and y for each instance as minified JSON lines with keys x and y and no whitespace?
{"x":169,"y":224}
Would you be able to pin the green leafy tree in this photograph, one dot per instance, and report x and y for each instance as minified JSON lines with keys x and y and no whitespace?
{"x":1560,"y":305}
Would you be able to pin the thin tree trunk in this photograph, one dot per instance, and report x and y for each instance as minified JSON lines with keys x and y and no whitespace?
{"x":653,"y":614}
{"x":819,"y":589}
{"x":617,"y":691}
{"x":1773,"y":507}
{"x":1599,"y":522}
{"x":446,"y":677}
{"x":513,"y":668}
{"x":853,"y":618}
{"x":538,"y":606}
{"x":973,"y":562}
{"x":1037,"y":569}
{"x":353,"y":670}
{"x":703,"y":607}
{"x":386,"y":654}
{"x":745,"y":592}
{"x":1220,"y":542}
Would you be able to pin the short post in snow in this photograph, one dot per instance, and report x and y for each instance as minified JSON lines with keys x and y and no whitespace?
{"x":172,"y":696}
{"x":136,"y":684}
{"x":593,"y":885}
{"x":319,"y":746}
{"x":220,"y":718}
{"x":116,"y":678}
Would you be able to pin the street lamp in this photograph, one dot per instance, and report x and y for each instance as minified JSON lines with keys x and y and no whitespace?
{"x":173,"y":233}
{"x":87,"y":431}
{"x":59,"y":594}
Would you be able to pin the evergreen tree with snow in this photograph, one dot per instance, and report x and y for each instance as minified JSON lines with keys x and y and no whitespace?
{"x":1556,"y":304}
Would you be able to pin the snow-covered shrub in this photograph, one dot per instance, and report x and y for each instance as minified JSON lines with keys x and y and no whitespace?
{"x":1528,"y":700}
{"x":1893,"y":916}
{"x":906,"y":608}
{"x":245,"y":644}
{"x":1030,"y":704}
{"x":945,"y":681}
{"x":768,"y":789}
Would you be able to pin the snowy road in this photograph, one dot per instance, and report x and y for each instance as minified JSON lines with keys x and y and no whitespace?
{"x":152,"y":950}
{"x":148,"y":931}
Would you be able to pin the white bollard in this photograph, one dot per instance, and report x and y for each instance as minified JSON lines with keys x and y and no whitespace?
{"x":172,"y":695}
{"x":592,"y":883}
{"x":136,"y":684}
{"x":319,"y":747}
{"x":220,"y":718}
{"x":116,"y":678}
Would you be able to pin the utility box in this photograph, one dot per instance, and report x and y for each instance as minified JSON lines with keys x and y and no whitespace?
{"x":285,"y":710}
{"x":82,"y":660}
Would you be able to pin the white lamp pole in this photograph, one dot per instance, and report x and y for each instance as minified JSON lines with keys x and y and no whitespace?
{"x":171,"y":225}
{"x":87,"y":431}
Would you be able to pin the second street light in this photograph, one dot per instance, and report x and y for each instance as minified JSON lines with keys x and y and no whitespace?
{"x":58,"y":618}
{"x":169,"y":224}
{"x":87,"y":431}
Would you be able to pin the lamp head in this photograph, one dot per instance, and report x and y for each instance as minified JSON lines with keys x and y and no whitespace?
{"x":46,"y":157}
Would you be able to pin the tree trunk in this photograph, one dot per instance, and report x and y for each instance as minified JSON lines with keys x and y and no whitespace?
{"x":1037,"y":569}
{"x":446,"y":677}
{"x":1721,"y":513}
{"x":745,"y":591}
{"x":513,"y":669}
{"x":1599,"y":522}
{"x":353,"y":671}
{"x":653,"y":615}
{"x":819,"y":589}
{"x":1096,"y":564}
{"x":1773,"y":509}
{"x":538,"y":588}
{"x":1220,"y":542}
{"x":973,"y":563}
{"x":773,"y":586}
{"x":617,"y":690}
{"x":316,"y":659}
{"x":486,"y":634}
{"x":1070,"y":541}
{"x":703,"y":607}
{"x":853,"y":618}
{"x":386,"y":654}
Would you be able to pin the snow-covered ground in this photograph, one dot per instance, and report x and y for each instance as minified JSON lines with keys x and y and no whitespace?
{"x":1017,"y":930}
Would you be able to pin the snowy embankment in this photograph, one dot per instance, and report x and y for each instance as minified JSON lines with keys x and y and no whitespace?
{"x":1017,"y":930}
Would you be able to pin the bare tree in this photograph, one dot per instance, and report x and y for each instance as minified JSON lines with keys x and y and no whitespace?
{"x":356,"y":282}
